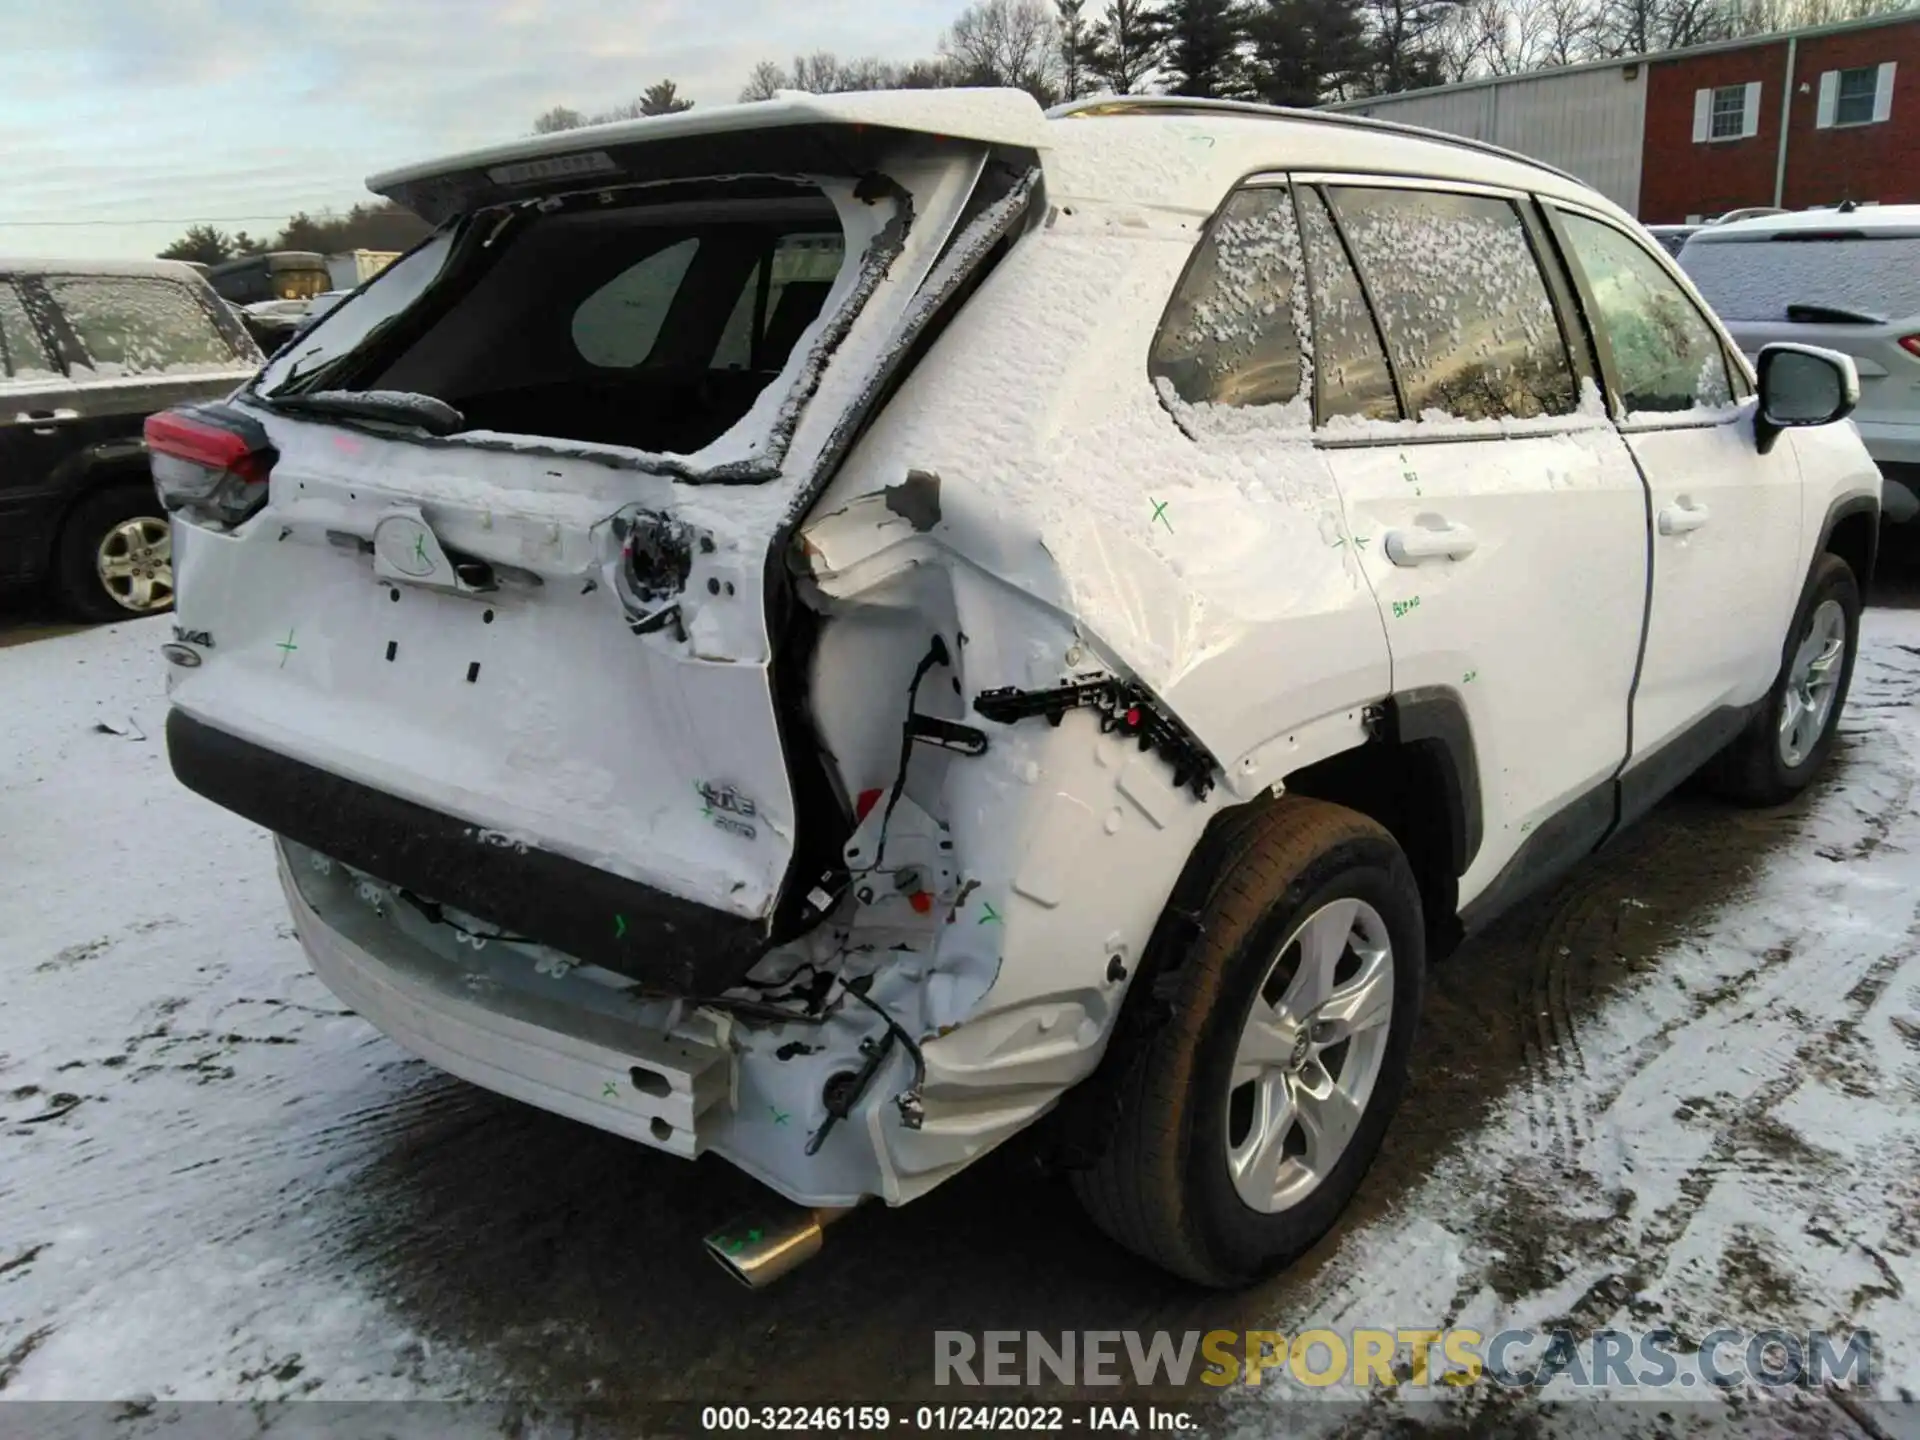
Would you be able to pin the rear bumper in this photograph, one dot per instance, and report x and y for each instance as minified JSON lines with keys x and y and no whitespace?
{"x":676,"y":946}
{"x":575,"y":1061}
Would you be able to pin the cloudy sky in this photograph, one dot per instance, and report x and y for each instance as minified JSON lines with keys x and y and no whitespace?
{"x":139,"y":117}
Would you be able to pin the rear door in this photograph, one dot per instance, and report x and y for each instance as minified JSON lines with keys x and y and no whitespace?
{"x":1503,"y":526}
{"x":1727,"y":519}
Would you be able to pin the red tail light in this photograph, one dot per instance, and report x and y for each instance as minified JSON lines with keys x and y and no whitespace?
{"x":1910,"y":344}
{"x":210,"y":461}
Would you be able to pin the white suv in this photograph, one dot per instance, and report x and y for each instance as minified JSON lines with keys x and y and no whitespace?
{"x":822,"y":630}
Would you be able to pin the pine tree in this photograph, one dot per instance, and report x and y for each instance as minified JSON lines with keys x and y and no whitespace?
{"x":1126,"y":46}
{"x":1076,"y":42}
{"x":1203,"y":40}
{"x":1306,"y":51}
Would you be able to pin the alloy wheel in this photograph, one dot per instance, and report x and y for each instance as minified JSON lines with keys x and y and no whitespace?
{"x":1309,"y":1055}
{"x":135,"y":564}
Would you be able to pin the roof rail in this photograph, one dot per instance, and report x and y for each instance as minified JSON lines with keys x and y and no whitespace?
{"x":1104,"y":105}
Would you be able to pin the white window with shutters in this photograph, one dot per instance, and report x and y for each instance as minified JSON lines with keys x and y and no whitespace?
{"x":1861,"y":96}
{"x":1726,"y":112}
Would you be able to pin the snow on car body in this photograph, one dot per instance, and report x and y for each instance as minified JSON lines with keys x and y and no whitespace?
{"x":818,"y":788}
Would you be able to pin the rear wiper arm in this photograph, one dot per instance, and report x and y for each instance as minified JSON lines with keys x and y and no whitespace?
{"x":436,"y":417}
{"x":1818,"y":314}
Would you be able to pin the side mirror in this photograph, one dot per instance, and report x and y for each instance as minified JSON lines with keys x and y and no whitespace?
{"x":1802,"y":385}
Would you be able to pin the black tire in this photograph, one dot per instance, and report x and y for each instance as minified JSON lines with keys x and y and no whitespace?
{"x":1752,"y":770}
{"x":1160,"y":1184}
{"x":81,"y":588}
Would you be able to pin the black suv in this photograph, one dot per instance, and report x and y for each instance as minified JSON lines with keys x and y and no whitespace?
{"x":87,"y":351}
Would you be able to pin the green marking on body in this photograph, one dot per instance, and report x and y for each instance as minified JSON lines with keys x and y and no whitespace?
{"x":619,"y":927}
{"x":287,"y":647}
{"x":609,"y":1091}
{"x":991,"y":914}
{"x":1160,"y":513}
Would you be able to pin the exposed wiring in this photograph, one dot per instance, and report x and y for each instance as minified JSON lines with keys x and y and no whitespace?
{"x":936,"y":655}
{"x":439,"y":917}
{"x":899,"y":1032}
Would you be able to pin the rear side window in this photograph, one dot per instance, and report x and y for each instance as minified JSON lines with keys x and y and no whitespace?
{"x":1462,"y":301}
{"x":22,"y":355}
{"x":618,"y":325}
{"x":1666,"y":356}
{"x":1350,"y":365}
{"x":135,"y":326}
{"x":780,"y":299}
{"x":1232,"y":332}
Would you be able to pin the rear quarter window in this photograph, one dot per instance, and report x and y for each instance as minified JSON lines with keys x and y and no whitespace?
{"x":1233,"y":333}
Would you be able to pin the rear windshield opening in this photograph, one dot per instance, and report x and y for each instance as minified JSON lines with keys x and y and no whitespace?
{"x":653,"y":327}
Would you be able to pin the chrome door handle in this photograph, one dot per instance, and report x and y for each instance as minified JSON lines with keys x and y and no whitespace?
{"x":1683,"y":516}
{"x":1423,"y":542}
{"x":45,"y":420}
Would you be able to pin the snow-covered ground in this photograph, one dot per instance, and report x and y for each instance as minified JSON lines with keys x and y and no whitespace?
{"x":216,"y":1184}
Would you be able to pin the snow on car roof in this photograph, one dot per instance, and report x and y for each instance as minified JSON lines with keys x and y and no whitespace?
{"x":997,"y":117}
{"x":169,"y":269}
{"x":1178,"y":155}
{"x":1869,"y":221}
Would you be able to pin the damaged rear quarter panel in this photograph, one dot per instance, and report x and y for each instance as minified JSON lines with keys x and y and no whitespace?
{"x":1080,"y":530}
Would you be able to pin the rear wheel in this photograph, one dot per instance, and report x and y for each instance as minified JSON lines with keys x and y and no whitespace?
{"x":116,"y":556}
{"x":1787,"y":742}
{"x":1248,"y":1110}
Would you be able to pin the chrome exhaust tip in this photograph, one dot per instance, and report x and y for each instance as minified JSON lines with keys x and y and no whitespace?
{"x":761,"y":1246}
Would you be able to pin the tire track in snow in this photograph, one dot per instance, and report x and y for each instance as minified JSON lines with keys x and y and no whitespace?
{"x":1657,"y":1169}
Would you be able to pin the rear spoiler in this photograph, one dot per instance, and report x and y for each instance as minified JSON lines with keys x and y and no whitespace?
{"x":792,"y":134}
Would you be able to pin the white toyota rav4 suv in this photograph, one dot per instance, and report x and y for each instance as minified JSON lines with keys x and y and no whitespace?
{"x":829,"y":630}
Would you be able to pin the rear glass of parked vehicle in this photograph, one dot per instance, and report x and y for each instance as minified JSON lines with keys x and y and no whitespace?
{"x":133,"y":325}
{"x":1231,"y":334}
{"x":639,"y":326}
{"x":1666,"y":356}
{"x":1350,"y":374}
{"x":1758,"y":279}
{"x":22,"y":356}
{"x":1460,"y":295}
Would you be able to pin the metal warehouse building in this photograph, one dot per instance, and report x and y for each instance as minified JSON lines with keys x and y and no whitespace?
{"x":1693,"y":133}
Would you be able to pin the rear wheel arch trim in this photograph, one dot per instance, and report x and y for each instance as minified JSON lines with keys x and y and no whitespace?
{"x":1435,"y":715}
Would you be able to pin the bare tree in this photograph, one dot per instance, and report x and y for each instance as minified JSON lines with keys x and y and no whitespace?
{"x":1405,"y":39}
{"x":1126,"y":46}
{"x":560,"y":117}
{"x":1569,"y":34}
{"x":1007,"y":42}
{"x":1642,"y":27}
{"x":767,"y":78}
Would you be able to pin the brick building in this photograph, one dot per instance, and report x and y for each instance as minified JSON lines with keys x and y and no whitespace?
{"x":1694,"y":133}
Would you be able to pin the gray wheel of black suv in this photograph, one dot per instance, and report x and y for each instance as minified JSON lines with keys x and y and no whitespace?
{"x":116,"y":556}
